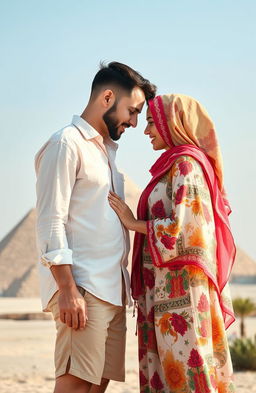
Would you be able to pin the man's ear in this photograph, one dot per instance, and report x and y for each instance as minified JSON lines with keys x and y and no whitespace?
{"x":108,"y":98}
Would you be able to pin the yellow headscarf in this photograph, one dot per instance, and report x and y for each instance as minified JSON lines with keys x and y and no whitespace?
{"x":189,"y":123}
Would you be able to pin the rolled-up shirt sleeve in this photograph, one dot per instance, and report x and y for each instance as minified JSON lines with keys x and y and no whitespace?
{"x":56,"y":174}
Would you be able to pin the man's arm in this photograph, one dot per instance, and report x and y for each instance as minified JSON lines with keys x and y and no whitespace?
{"x":56,"y":176}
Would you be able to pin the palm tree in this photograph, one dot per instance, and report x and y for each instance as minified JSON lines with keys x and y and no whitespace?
{"x":243,"y":308}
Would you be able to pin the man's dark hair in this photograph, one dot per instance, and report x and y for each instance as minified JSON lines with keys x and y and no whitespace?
{"x":123,"y":77}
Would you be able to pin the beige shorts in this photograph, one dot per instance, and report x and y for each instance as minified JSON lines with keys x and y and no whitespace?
{"x":96,"y":352}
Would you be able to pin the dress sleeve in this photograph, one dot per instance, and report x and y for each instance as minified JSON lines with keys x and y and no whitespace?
{"x":56,"y":174}
{"x":187,"y":234}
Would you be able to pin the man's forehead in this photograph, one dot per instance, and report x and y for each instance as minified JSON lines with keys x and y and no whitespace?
{"x":136,"y":99}
{"x":138,"y":94}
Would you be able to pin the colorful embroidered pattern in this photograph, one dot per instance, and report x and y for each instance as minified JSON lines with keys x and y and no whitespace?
{"x":182,"y":341}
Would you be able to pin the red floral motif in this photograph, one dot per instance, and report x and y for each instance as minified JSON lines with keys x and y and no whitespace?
{"x":168,"y":241}
{"x":158,"y":209}
{"x":181,"y":193}
{"x":151,"y":315}
{"x":179,"y":323}
{"x":201,"y":385}
{"x":177,"y":289}
{"x":156,"y":382}
{"x":143,"y":379}
{"x":203,"y":304}
{"x":149,"y":278}
{"x":195,"y":360}
{"x":185,"y":167}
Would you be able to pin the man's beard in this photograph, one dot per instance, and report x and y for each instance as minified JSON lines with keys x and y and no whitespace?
{"x":111,"y":122}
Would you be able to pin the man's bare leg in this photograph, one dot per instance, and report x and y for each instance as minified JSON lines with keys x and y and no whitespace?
{"x":100,"y":388}
{"x":69,"y":384}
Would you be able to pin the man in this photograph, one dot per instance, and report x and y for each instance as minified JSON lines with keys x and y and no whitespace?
{"x":83,"y":245}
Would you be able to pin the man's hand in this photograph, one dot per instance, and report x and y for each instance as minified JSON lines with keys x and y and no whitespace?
{"x":73,"y":308}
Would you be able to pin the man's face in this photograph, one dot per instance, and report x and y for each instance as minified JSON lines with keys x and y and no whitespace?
{"x":124,"y":113}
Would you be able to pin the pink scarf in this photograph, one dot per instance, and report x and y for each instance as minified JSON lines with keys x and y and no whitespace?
{"x":225,"y":243}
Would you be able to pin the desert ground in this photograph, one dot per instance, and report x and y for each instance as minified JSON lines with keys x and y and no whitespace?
{"x":26,"y":353}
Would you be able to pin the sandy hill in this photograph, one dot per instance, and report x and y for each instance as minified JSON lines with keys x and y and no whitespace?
{"x":18,"y":255}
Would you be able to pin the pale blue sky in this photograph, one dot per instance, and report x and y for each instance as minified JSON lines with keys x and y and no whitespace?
{"x":50,"y":52}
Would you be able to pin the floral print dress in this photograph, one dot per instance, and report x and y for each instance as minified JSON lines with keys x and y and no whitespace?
{"x":182,"y":342}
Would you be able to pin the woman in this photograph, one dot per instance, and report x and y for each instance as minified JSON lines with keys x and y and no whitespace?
{"x":183,"y":254}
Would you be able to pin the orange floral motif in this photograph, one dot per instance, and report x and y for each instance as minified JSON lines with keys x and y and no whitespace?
{"x":164,"y":323}
{"x":172,"y":229}
{"x":160,"y":229}
{"x":196,"y":272}
{"x":189,"y":227}
{"x":174,"y":372}
{"x":217,"y":328}
{"x":222,"y":387}
{"x":196,"y":206}
{"x":173,"y":172}
{"x":196,"y":239}
{"x":201,"y":341}
{"x":166,"y":327}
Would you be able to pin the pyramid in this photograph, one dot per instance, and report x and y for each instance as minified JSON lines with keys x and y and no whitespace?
{"x":18,"y":255}
{"x":244,"y":270}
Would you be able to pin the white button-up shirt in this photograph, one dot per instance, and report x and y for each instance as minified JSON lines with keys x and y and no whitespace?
{"x":75,"y":223}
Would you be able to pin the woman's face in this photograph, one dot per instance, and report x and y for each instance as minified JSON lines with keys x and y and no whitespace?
{"x":151,"y":130}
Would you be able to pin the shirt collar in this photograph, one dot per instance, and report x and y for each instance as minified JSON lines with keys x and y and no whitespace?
{"x":89,"y":132}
